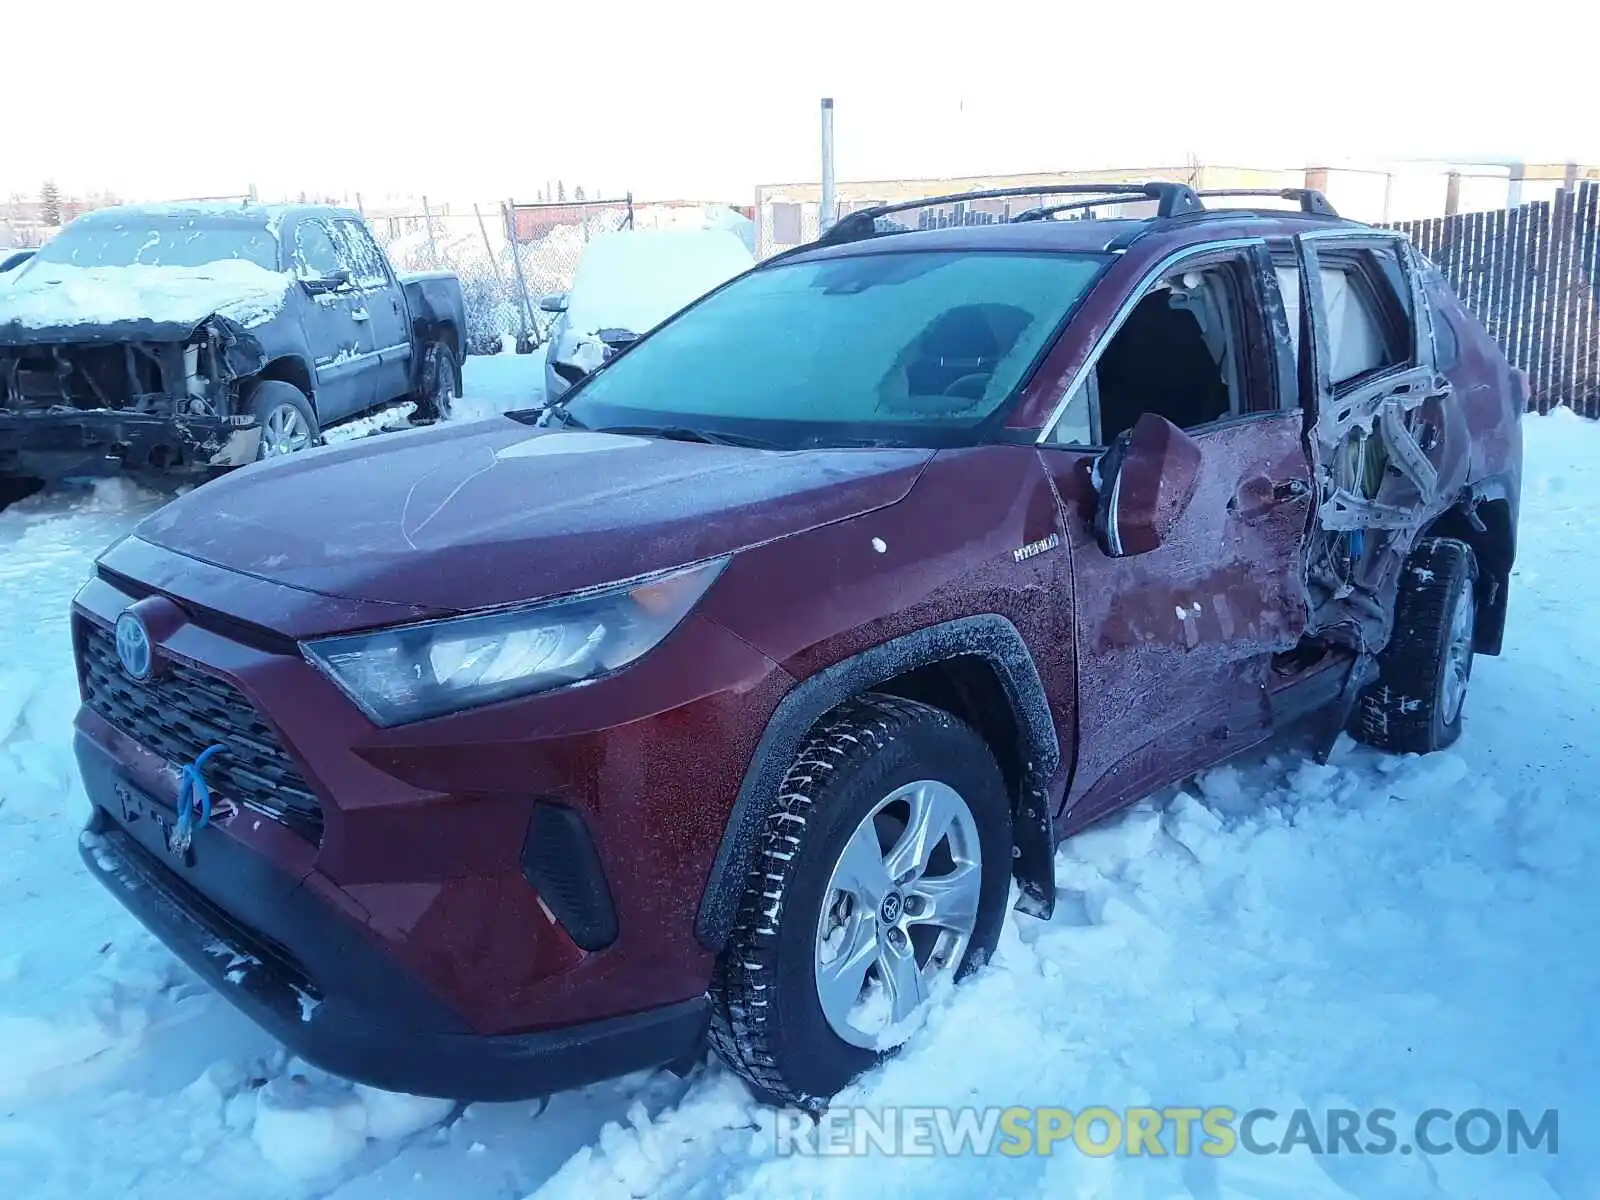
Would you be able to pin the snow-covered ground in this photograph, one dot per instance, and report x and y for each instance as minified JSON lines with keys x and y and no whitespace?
{"x":1380,"y":932}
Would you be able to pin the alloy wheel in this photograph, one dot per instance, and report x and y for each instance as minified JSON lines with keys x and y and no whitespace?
{"x":898,"y":913}
{"x":284,"y":431}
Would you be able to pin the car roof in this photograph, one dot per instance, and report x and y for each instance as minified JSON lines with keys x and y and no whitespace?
{"x":220,"y":211}
{"x":1082,"y":236}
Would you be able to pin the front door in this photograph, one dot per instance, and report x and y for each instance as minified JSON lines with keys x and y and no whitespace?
{"x":1175,"y":645}
{"x":337,"y":325}
{"x":385,"y":308}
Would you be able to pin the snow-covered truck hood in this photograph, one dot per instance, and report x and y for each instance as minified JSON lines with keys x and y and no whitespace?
{"x":497,"y":512}
{"x":59,"y":302}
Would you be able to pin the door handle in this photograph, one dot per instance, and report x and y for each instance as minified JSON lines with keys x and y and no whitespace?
{"x":359,"y":314}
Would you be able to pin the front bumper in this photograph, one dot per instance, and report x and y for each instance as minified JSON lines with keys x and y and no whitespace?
{"x":66,"y":441}
{"x":335,"y":999}
{"x":433,"y":911}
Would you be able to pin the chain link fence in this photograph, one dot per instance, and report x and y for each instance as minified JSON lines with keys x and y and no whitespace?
{"x":506,"y":255}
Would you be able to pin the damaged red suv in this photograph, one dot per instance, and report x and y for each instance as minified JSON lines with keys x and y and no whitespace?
{"x":724,"y":701}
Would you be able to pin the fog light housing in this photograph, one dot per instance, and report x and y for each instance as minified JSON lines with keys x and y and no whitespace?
{"x":560,"y":862}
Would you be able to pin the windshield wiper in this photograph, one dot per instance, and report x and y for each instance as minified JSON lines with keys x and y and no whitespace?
{"x":682,"y":433}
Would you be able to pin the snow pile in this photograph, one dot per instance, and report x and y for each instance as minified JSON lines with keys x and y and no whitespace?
{"x":385,"y":419}
{"x":1378,"y":932}
{"x":309,"y":1125}
{"x":51,"y":295}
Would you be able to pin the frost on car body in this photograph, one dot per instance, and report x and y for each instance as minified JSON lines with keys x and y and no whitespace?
{"x":812,"y":621}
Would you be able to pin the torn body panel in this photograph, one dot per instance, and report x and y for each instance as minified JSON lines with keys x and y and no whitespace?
{"x":160,"y":404}
{"x":1389,"y":454}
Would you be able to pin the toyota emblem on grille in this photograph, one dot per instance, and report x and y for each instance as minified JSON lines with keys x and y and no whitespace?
{"x":133,"y":646}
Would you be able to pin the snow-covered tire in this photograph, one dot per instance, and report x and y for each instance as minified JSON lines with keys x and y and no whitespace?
{"x":769,"y":1022}
{"x":1414,"y":706}
{"x":441,"y":383}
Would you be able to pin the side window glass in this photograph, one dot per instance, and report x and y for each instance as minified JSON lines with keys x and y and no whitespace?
{"x":1075,"y":425}
{"x":315,"y":256}
{"x":1368,"y":301}
{"x":1356,"y":342}
{"x":361,"y":253}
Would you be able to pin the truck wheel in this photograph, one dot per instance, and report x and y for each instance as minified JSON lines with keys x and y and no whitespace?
{"x":1414,"y":706}
{"x":881,"y":878}
{"x":441,"y":383}
{"x":288,"y":422}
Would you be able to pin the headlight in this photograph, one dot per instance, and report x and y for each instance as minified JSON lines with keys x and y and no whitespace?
{"x":416,"y":671}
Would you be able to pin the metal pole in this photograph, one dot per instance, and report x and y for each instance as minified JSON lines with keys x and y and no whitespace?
{"x":825,"y":215}
{"x":433,"y":247}
{"x":489,"y":246}
{"x":524,"y":310}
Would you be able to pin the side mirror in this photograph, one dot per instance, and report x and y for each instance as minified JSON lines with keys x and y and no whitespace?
{"x":336,"y":282}
{"x":1145,"y":482}
{"x":329,"y":283}
{"x":555,"y":302}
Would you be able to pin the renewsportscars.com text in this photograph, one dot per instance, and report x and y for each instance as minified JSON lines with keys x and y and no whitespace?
{"x":1180,"y":1130}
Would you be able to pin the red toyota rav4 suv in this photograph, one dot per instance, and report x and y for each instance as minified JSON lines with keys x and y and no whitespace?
{"x":725,"y":700}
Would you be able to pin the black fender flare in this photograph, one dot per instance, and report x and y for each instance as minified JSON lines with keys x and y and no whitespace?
{"x":989,"y":636}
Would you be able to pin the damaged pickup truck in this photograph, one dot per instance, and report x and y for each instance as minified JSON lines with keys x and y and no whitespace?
{"x":188,"y":339}
{"x":724,"y":701}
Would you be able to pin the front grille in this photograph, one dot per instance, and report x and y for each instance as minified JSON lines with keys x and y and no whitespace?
{"x":182,"y":711}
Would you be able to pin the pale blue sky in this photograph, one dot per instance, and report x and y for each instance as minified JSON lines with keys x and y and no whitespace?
{"x":476,"y":100}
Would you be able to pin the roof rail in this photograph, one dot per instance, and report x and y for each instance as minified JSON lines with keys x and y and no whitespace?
{"x":1172,"y":200}
{"x":1311,"y":200}
{"x":1050,"y":210}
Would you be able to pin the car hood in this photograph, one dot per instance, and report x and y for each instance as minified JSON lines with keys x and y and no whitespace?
{"x":495,"y":512}
{"x":57,"y":302}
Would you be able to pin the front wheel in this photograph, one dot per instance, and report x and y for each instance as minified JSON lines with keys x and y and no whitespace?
{"x":1414,"y":706}
{"x":882,"y":879}
{"x":288,"y":422}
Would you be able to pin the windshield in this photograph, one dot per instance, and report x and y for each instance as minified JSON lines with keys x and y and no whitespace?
{"x":179,"y":242}
{"x":900,"y":348}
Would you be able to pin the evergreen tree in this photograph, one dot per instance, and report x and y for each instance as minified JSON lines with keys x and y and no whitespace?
{"x":50,"y":202}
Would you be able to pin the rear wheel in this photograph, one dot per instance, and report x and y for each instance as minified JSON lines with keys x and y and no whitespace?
{"x":882,"y":878}
{"x":1414,"y":706}
{"x":288,"y":422}
{"x":441,"y":383}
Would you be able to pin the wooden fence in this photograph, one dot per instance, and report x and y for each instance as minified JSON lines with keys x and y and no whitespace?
{"x":1529,"y":274}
